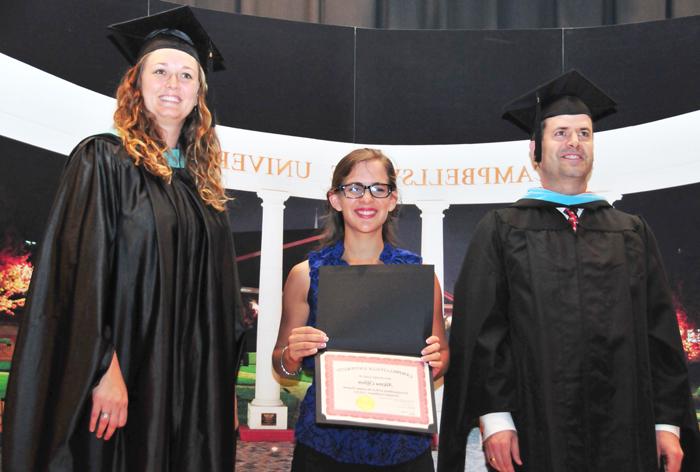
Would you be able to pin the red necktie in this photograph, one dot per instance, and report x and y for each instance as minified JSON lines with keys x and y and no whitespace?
{"x":572,"y":218}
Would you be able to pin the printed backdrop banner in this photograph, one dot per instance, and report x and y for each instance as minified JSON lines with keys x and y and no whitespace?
{"x":48,"y":112}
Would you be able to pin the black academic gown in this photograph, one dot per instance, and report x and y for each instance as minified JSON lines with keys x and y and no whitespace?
{"x":575,"y":334}
{"x":134,"y":265}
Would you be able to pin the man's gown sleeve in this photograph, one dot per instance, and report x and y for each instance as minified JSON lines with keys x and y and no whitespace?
{"x":481,"y":377}
{"x":672,"y":402}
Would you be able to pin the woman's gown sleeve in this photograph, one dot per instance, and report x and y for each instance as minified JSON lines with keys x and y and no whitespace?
{"x":64,"y":343}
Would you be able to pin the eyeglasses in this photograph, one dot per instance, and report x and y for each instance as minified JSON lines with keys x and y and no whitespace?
{"x":357,"y":190}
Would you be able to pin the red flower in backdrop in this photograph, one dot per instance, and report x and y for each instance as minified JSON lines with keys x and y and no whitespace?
{"x":690,"y":334}
{"x":15,"y":274}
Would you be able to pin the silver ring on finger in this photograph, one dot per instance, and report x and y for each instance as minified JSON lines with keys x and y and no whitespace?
{"x":104,"y":416}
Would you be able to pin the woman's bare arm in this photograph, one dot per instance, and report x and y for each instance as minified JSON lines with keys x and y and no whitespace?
{"x":295,"y":340}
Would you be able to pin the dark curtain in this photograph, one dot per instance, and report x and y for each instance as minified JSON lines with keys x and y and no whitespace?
{"x":459,"y":14}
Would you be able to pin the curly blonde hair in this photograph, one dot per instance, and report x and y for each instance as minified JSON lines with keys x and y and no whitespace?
{"x":198,"y":141}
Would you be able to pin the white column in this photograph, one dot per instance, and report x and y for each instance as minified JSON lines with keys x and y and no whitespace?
{"x":432,"y":251}
{"x":432,"y":244}
{"x":267,"y":411}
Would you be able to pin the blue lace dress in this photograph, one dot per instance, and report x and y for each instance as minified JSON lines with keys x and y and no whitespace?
{"x":343,"y":443}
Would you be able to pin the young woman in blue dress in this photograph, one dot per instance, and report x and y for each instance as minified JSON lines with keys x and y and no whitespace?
{"x":358,"y":231}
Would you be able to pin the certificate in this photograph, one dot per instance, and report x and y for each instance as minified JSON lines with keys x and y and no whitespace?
{"x":375,"y":390}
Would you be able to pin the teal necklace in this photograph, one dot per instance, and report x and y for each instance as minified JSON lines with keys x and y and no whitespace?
{"x":171,"y":155}
{"x":174,"y":159}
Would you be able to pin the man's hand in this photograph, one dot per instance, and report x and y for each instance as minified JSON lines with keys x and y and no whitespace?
{"x":668,"y":447}
{"x":502,"y":449}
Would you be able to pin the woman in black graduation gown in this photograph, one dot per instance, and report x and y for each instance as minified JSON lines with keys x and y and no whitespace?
{"x":126,"y":355}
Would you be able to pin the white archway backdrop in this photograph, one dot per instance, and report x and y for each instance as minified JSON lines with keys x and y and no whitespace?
{"x":48,"y":112}
{"x":45,"y":111}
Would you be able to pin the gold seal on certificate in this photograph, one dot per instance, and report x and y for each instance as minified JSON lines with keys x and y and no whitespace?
{"x":377,"y":319}
{"x":375,"y":390}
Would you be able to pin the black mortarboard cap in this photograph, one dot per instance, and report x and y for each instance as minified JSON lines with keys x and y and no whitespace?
{"x":177,"y":29}
{"x":569,"y":94}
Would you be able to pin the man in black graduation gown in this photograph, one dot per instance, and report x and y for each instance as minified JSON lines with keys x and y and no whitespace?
{"x":564,"y":342}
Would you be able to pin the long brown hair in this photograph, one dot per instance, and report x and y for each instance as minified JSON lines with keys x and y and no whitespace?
{"x":334,"y":225}
{"x":198,"y":141}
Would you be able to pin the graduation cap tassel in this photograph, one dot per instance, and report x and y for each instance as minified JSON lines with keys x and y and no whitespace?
{"x":538,"y":130}
{"x":211,"y":99}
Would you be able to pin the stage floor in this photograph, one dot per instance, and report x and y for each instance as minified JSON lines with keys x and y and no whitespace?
{"x":263,"y":456}
{"x":277,"y":457}
{"x":260,"y":456}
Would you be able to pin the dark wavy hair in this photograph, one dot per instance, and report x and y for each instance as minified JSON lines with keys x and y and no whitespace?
{"x":333,"y":223}
{"x":198,"y":141}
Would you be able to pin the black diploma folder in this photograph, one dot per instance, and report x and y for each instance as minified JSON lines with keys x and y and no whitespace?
{"x":385,"y":309}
